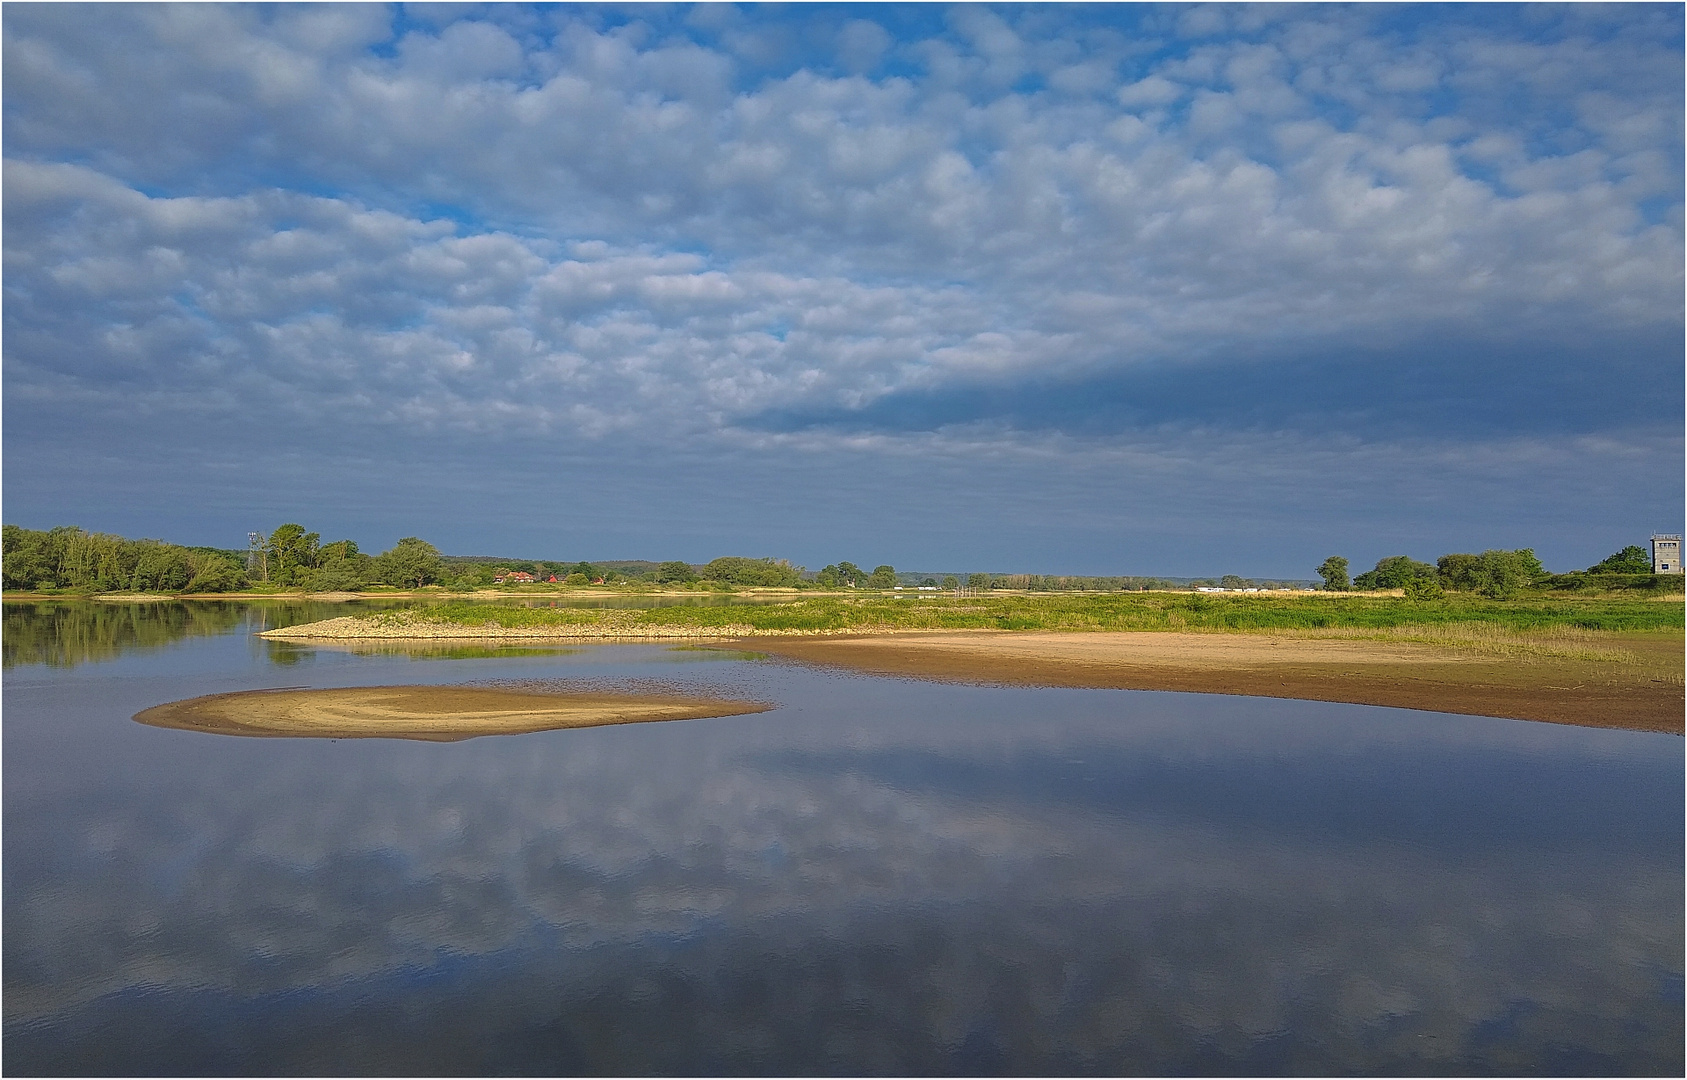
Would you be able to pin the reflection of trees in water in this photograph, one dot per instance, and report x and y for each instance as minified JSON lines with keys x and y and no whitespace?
{"x":64,"y":633}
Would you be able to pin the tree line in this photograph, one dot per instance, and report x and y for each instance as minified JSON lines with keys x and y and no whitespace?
{"x":1495,"y":573}
{"x":68,"y":557}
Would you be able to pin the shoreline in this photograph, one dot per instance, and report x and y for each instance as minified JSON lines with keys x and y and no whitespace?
{"x":1631,"y":681}
{"x":1643,"y":696}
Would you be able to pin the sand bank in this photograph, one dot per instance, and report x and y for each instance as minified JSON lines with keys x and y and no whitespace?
{"x":430,"y":713}
{"x":1638,"y":687}
{"x":398,"y":628}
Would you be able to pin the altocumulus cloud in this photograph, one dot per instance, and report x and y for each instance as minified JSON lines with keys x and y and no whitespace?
{"x":1086,"y":289}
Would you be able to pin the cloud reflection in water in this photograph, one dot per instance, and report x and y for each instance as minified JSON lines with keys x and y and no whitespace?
{"x":881,"y":876}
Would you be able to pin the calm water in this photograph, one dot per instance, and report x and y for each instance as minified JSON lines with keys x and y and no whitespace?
{"x":879,"y":876}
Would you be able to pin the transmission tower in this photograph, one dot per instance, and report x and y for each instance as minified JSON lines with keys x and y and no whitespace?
{"x":257,"y":555}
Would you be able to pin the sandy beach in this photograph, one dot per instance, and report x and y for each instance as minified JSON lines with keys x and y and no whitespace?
{"x":1638,"y":685}
{"x":429,"y":713}
{"x":1612,"y":680}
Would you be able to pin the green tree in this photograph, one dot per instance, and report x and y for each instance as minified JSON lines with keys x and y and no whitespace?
{"x":1502,"y":574}
{"x":1461,"y":572}
{"x":950,"y":581}
{"x":882,"y":577}
{"x":1232,"y":581}
{"x":411,"y":563}
{"x":292,"y":553}
{"x":978,"y":581}
{"x":30,"y":558}
{"x":339,"y":549}
{"x":214,"y":572}
{"x":1630,"y":560}
{"x":675,"y":573}
{"x":160,"y":568}
{"x":1393,"y":573}
{"x":733,"y":570}
{"x":1334,"y":572}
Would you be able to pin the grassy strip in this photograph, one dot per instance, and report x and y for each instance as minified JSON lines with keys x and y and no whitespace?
{"x":1116,"y":611}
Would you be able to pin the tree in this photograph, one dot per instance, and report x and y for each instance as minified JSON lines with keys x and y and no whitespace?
{"x":1494,"y":573}
{"x":292,"y":552}
{"x":950,"y":581}
{"x":411,"y":563}
{"x":1334,"y":572}
{"x":734,"y":570}
{"x":1231,"y":581}
{"x":1393,"y":573}
{"x":978,"y":581}
{"x":1630,"y":560}
{"x":1459,"y":571}
{"x":339,"y":549}
{"x":1502,"y":574}
{"x":675,"y":573}
{"x":883,"y":577}
{"x":214,"y":571}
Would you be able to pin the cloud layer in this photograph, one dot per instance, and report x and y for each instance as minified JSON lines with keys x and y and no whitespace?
{"x":804,"y":248}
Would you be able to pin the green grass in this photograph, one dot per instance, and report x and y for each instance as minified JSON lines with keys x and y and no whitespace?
{"x":1111,"y":611}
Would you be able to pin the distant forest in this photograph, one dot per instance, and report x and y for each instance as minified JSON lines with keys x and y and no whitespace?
{"x":291,"y":558}
{"x":69,"y":559}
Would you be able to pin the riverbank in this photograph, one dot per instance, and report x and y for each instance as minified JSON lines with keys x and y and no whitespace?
{"x":1631,"y":681}
{"x":1556,"y":673}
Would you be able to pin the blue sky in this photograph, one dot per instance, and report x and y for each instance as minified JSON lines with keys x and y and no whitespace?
{"x":1086,"y":289}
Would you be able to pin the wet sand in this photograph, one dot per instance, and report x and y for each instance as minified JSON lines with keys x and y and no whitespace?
{"x":429,"y":713}
{"x":1643,"y":692}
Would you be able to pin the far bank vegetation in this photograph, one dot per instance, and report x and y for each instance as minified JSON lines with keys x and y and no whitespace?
{"x":71,"y":561}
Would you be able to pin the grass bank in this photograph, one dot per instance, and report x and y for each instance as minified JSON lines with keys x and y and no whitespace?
{"x":1116,"y":611}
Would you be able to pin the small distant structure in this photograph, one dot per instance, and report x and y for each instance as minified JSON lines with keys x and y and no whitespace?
{"x":257,"y":555}
{"x":519,"y":577}
{"x":1666,"y":553}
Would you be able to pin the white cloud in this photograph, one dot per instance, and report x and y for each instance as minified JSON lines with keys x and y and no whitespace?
{"x":581,"y":226}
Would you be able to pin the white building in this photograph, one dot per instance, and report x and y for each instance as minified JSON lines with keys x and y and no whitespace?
{"x":1666,"y":553}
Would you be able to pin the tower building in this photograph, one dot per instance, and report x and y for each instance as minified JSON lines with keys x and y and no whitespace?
{"x":1666,"y":553}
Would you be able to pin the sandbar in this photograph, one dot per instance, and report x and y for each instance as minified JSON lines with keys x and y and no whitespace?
{"x":1638,"y":686}
{"x":428,"y":713}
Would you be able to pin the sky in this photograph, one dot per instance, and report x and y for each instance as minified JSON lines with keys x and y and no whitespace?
{"x":1093,"y":289}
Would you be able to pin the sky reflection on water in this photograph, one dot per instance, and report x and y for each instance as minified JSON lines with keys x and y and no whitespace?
{"x":879,"y":876}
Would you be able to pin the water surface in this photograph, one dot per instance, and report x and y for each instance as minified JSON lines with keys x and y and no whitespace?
{"x":879,"y":876}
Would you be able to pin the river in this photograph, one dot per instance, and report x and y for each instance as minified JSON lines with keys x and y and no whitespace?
{"x":878,"y":876}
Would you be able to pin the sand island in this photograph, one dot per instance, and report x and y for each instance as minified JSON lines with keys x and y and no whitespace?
{"x":428,"y":713}
{"x":1561,"y":674}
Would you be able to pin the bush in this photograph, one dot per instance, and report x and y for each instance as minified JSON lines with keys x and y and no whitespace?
{"x":1423,"y":589}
